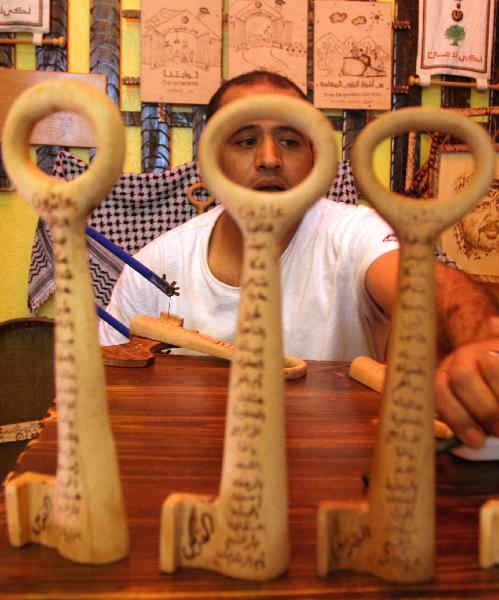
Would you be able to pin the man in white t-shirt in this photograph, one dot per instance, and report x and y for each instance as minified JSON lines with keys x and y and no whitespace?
{"x":338,"y":269}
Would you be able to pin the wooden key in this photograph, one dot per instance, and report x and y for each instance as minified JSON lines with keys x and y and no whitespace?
{"x":373,"y":374}
{"x":244,"y":531}
{"x":201,"y":206}
{"x":169,"y":328}
{"x":86,"y":515}
{"x":392,"y":535}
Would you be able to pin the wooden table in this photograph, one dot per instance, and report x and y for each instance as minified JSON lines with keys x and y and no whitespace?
{"x":168,"y":422}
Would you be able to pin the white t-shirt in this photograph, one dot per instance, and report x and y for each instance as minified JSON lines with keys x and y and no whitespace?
{"x":326,"y":310}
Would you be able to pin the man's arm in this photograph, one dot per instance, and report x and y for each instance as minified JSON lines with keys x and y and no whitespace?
{"x":467,"y":379}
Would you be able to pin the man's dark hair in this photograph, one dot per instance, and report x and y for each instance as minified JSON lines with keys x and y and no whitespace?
{"x":251,"y":78}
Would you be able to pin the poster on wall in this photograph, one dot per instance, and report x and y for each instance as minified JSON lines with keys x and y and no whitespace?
{"x":352,"y":54}
{"x":473,"y":241}
{"x":181,"y":50}
{"x":455,"y":38}
{"x":270,"y":35}
{"x":25,"y":15}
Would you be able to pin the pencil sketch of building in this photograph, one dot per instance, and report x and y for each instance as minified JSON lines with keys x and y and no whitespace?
{"x":262,"y":35}
{"x":179,"y":38}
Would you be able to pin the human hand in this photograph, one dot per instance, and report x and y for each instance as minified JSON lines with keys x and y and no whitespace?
{"x":467,"y":390}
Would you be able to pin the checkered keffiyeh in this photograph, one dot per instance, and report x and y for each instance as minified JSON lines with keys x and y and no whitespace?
{"x":138,"y":209}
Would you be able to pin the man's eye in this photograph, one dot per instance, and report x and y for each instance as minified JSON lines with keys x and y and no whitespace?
{"x":290,"y":143}
{"x":246,"y":142}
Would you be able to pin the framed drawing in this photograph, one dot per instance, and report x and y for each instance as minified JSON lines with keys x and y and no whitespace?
{"x":352,"y":54}
{"x":473,"y":242}
{"x":181,"y":58}
{"x":268,"y":35}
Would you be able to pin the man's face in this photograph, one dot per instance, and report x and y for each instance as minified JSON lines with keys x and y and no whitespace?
{"x":265,"y":154}
{"x":481,"y":226}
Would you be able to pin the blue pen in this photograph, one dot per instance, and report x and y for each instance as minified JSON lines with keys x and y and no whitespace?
{"x":118,"y":325}
{"x":170,"y":289}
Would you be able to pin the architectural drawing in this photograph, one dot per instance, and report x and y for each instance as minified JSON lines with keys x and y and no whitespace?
{"x":268,"y":34}
{"x":352,"y":55}
{"x":181,"y":51}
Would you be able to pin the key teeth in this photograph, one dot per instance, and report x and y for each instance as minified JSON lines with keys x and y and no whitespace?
{"x":489,"y":521}
{"x":194,"y":535}
{"x":171,"y":534}
{"x":30,"y":504}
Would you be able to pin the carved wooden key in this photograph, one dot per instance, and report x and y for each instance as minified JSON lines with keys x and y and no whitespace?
{"x":244,"y":531}
{"x":81,"y":513}
{"x":169,"y":328}
{"x":392,"y":535}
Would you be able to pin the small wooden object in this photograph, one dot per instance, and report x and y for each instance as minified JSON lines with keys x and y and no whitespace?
{"x":136,"y":353}
{"x":489,"y":534}
{"x":84,"y":516}
{"x":369,"y":372}
{"x":59,"y":42}
{"x":392,"y":535}
{"x":15,"y":432}
{"x":373,"y":374}
{"x":244,"y":531}
{"x":200,"y":205}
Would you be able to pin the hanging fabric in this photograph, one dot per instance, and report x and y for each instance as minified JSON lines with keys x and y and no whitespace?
{"x":455,"y":38}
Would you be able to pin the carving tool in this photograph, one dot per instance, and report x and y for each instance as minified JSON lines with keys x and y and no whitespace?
{"x":170,"y":289}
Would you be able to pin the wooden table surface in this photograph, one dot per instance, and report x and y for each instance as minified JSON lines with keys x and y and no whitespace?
{"x":168,"y":422}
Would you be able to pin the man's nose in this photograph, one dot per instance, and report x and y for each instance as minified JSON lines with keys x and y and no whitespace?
{"x":268,"y":154}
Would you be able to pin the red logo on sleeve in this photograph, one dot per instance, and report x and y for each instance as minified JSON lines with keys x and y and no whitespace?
{"x":391,"y":237}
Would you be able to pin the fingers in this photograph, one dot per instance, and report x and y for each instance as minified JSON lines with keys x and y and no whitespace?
{"x":452,"y":411}
{"x":467,"y":392}
{"x":489,"y":366}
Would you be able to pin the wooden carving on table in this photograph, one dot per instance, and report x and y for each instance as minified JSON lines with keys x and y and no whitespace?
{"x":169,"y":329}
{"x":244,"y":531}
{"x":81,"y":511}
{"x":392,"y":534}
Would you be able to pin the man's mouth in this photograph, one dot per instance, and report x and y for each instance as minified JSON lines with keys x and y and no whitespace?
{"x":269,"y":187}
